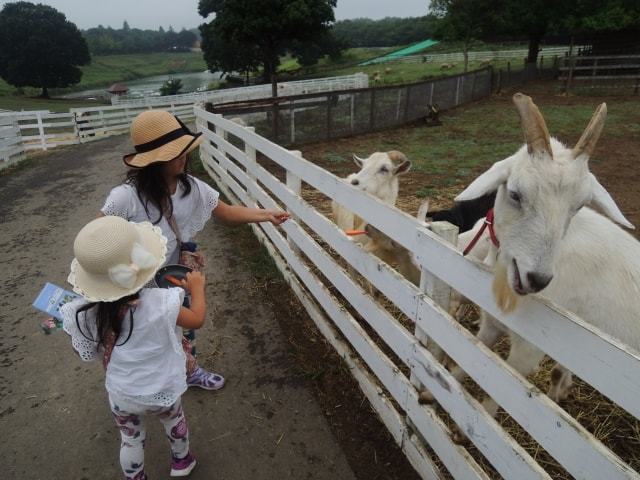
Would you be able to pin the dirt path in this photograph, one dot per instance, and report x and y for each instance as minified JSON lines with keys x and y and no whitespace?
{"x":265,"y":424}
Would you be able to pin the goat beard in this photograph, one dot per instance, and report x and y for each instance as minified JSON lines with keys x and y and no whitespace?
{"x":506,"y":298}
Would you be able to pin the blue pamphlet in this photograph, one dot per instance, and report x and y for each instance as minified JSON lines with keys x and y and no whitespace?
{"x":51,"y":298}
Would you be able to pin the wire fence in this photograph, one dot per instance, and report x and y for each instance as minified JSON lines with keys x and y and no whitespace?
{"x":310,"y":118}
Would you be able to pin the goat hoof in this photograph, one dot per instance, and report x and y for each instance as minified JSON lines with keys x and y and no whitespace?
{"x":425,"y":397}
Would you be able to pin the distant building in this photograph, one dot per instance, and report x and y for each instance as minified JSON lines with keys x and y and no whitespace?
{"x":118,"y":89}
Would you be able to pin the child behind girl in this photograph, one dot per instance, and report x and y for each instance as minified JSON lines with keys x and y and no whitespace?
{"x":145,"y":372}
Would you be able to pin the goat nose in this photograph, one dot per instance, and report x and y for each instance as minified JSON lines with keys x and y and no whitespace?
{"x":355,"y":181}
{"x":538,"y":281}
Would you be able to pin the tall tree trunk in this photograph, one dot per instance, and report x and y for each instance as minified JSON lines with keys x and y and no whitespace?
{"x":274,"y":84}
{"x":534,"y":47}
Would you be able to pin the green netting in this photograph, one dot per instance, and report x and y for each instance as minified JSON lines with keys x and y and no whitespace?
{"x":402,"y":52}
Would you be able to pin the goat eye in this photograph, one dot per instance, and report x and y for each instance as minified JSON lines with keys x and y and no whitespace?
{"x":515,"y":196}
{"x":384,"y":170}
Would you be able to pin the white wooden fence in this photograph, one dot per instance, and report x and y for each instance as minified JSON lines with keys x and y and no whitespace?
{"x":486,"y":55}
{"x":298,"y":87}
{"x":11,"y":148}
{"x":42,"y":130}
{"x":388,"y":383}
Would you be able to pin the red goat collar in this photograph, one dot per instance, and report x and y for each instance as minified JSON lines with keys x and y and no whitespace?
{"x":488,"y":222}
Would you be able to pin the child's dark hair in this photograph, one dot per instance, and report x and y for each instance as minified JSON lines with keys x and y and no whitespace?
{"x":109,"y":318}
{"x":152,"y":187}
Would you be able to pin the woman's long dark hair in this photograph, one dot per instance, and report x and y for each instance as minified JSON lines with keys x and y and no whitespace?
{"x":109,"y":318}
{"x":152,"y":188}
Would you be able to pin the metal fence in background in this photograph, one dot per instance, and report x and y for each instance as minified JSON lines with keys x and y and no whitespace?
{"x":519,"y":73}
{"x":310,"y":118}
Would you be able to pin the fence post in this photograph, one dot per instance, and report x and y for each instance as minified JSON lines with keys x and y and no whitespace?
{"x":541,"y":65}
{"x":250,"y":152}
{"x":431,"y":93}
{"x":398,"y":100}
{"x":103,"y":122}
{"x":372,"y":109}
{"x":222,"y":133}
{"x":594,"y":71}
{"x":292,"y":115}
{"x":436,"y":289}
{"x":329,"y":119}
{"x":459,"y":80}
{"x":352,"y":112}
{"x":570,"y":75}
{"x":407,"y":99}
{"x":274,"y":121}
{"x":43,"y":141}
{"x":76,"y":130}
{"x":294,"y":183}
{"x":473,"y":85}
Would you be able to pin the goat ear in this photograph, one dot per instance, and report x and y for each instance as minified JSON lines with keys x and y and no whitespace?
{"x":488,"y":181}
{"x":404,"y":167}
{"x":358,"y":161}
{"x":604,"y":202}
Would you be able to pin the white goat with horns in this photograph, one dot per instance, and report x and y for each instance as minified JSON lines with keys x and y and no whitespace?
{"x":378,"y":176}
{"x":552,"y":243}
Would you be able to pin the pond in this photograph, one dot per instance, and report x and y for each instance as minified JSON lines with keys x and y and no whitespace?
{"x":150,"y":86}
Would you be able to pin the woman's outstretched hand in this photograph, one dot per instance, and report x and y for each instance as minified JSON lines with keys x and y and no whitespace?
{"x":276,"y":217}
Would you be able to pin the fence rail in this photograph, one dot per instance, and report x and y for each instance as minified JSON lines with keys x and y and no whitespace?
{"x":305,"y":252}
{"x":345,"y":82}
{"x":301,"y":119}
{"x":599,"y":70}
{"x":486,"y":55}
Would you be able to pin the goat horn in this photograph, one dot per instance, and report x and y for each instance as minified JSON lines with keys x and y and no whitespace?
{"x":357,"y":158}
{"x":587,"y":143}
{"x":397,"y":156}
{"x":533,"y":125}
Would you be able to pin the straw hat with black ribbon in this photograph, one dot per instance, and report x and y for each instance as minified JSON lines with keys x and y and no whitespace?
{"x":159,"y":136}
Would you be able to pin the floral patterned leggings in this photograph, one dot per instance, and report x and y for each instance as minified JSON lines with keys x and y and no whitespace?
{"x":131,"y":424}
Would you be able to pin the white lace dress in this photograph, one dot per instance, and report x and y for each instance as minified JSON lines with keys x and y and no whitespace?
{"x":191,"y":212}
{"x":147,"y":370}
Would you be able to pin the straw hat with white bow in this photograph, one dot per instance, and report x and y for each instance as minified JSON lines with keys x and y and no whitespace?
{"x":115,"y":258}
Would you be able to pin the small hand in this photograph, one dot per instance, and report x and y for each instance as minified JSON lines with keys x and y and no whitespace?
{"x":275,"y":216}
{"x":194,"y":281}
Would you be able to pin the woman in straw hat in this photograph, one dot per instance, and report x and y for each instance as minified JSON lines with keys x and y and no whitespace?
{"x":158,"y":189}
{"x":145,"y":373}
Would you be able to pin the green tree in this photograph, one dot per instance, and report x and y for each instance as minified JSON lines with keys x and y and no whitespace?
{"x":229,"y":55}
{"x":39,"y":47}
{"x":171,"y":87}
{"x":604,"y":16}
{"x":267,"y":28}
{"x":465,"y":20}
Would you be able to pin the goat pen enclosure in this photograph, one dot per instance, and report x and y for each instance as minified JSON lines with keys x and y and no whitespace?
{"x":300,"y":119}
{"x":382,"y":340}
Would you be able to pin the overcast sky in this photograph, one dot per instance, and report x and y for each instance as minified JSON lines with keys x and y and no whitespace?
{"x":184,"y":13}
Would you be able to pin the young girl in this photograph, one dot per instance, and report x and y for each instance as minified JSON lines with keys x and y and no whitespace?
{"x":145,"y":369}
{"x":158,"y":189}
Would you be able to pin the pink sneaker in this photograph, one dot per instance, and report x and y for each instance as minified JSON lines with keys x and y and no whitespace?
{"x":184,"y":466}
{"x":207,"y":380}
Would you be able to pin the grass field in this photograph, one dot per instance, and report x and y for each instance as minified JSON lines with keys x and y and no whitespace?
{"x":108,"y":69}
